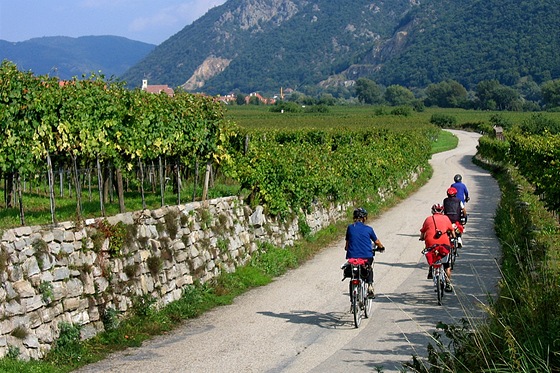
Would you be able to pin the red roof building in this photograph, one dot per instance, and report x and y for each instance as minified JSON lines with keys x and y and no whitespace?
{"x":157,"y":88}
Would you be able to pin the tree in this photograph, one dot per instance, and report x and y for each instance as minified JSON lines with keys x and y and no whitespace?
{"x":368,"y":91}
{"x":397,"y":95}
{"x":491,"y":95}
{"x":446,"y":94}
{"x":240,"y":99}
{"x":551,"y":93}
{"x":326,"y":99}
{"x":529,"y":90}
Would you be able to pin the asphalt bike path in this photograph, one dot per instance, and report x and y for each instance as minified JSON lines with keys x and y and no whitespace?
{"x":301,"y":322}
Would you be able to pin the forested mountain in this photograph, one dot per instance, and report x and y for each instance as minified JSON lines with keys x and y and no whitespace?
{"x":66,"y":57}
{"x":262,"y":45}
{"x":474,"y":40}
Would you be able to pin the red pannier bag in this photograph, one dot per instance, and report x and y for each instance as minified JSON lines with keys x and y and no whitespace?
{"x":436,"y":253}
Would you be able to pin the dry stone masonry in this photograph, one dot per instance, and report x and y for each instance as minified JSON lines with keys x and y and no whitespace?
{"x":76,"y":274}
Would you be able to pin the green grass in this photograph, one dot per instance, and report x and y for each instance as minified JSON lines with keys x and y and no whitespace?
{"x":37,"y":208}
{"x":259,"y":116}
{"x":446,"y":141}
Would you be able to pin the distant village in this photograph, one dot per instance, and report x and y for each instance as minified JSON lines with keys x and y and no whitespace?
{"x":227,"y":99}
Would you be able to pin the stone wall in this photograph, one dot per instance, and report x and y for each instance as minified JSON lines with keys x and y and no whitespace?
{"x":75,"y":274}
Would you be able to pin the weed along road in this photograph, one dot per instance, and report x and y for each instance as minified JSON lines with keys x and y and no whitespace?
{"x":301,"y":321}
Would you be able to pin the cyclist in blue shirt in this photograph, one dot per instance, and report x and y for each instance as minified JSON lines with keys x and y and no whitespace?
{"x":359,"y":238}
{"x":462,"y":194}
{"x":462,"y":191}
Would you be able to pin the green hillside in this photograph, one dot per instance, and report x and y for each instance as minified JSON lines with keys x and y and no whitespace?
{"x":302,"y":44}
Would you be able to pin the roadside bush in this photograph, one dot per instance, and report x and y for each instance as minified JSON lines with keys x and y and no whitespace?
{"x":443,"y":120}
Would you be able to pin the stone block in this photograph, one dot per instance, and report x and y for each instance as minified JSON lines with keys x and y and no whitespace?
{"x":32,"y":304}
{"x":24,"y":289}
{"x":70,"y":304}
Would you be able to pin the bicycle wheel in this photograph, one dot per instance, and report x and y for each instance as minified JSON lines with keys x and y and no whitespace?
{"x":367,"y":303}
{"x":453,"y":253}
{"x":355,"y":294}
{"x":440,"y":283}
{"x":452,"y":257}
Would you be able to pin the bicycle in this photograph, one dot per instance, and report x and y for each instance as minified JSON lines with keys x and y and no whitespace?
{"x":357,"y":269}
{"x":434,"y":255}
{"x":359,"y":300}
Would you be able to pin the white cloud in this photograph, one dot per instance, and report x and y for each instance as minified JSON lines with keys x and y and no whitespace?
{"x":174,"y":16}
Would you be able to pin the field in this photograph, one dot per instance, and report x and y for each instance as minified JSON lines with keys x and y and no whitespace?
{"x":259,"y":116}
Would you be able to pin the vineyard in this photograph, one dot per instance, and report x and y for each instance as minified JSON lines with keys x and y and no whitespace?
{"x":100,"y":133}
{"x":96,"y":146}
{"x":536,"y":156}
{"x":90,"y":148}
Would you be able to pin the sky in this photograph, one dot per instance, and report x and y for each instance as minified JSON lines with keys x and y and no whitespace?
{"x":150,"y":21}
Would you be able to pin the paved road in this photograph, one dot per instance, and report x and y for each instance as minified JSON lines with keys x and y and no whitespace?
{"x":301,"y":321}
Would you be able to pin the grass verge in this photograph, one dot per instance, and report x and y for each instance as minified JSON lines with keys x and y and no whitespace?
{"x":446,"y":141}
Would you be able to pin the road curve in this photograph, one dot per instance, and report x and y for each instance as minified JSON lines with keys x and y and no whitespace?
{"x":301,"y":321}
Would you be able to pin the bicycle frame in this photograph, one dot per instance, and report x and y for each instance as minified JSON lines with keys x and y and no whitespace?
{"x":358,"y":290}
{"x":439,"y":275}
{"x":439,"y":280}
{"x":453,"y":252}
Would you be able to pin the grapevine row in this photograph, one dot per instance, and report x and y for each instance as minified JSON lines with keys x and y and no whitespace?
{"x":536,"y":156}
{"x":100,"y":125}
{"x":79,"y":122}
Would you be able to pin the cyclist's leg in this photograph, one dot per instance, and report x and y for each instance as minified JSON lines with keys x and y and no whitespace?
{"x":370,"y":277}
{"x":369,"y":267}
{"x":447,"y":269}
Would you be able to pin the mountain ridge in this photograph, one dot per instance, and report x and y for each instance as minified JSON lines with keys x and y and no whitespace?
{"x":67,"y":57}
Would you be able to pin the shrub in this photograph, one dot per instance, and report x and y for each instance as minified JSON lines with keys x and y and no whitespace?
{"x":154,"y":265}
{"x":443,"y":120}
{"x":46,"y":290}
{"x":171,"y":223}
{"x":404,"y":111}
{"x":286,"y":107}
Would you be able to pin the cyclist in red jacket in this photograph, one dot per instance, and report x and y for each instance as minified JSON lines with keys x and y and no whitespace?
{"x":434,"y":232}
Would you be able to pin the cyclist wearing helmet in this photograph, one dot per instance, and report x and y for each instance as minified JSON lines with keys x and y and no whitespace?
{"x":359,"y":237}
{"x":455,"y":211}
{"x":462,"y":191}
{"x":433,"y":233}
{"x":453,"y":207}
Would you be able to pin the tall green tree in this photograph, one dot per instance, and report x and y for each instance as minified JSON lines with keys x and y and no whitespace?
{"x":368,"y":91}
{"x":397,"y":95}
{"x":446,"y":94}
{"x":491,"y":95}
{"x":551,"y":93}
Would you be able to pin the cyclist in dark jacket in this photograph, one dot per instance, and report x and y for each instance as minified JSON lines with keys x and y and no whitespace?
{"x":453,"y":207}
{"x":455,"y":210}
{"x":359,"y":238}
